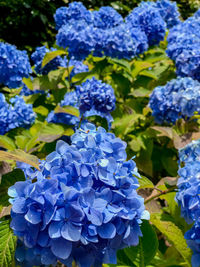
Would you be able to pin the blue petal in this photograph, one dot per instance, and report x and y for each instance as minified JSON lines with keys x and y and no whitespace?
{"x":55,"y":229}
{"x":19,"y":206}
{"x":107,"y":231}
{"x":61,"y":248}
{"x":18,"y":223}
{"x":33,"y":216}
{"x":71,"y":232}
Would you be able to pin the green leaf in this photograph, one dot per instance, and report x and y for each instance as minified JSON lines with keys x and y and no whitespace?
{"x":140,"y":66}
{"x":145,"y":182}
{"x":173,"y":234}
{"x":122,"y":62}
{"x":140,"y":92}
{"x":7,"y":244}
{"x":51,"y":55}
{"x":21,"y":156}
{"x":53,"y":131}
{"x":68,"y":110}
{"x":142,"y":254}
{"x":7,"y":143}
{"x":41,"y":110}
{"x":8,"y":180}
{"x":28,"y":82}
{"x":149,"y":73}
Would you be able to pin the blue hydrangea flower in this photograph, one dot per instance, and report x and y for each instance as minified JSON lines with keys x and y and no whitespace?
{"x":169,"y":12}
{"x":190,"y":152}
{"x":147,"y":17}
{"x":76,"y":11}
{"x":38,"y":57}
{"x":106,"y":18}
{"x":16,"y":114}
{"x":70,"y":99}
{"x":183,"y":47}
{"x":14,"y":65}
{"x":188,"y":195}
{"x":193,"y":240}
{"x":122,"y":41}
{"x":179,"y":98}
{"x":78,"y":37}
{"x":96,"y":97}
{"x":84,"y":205}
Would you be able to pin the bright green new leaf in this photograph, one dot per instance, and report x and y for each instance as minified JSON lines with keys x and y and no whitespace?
{"x":51,"y":55}
{"x":7,"y":143}
{"x":28,"y":82}
{"x":173,"y":234}
{"x":7,"y":244}
{"x":145,"y":182}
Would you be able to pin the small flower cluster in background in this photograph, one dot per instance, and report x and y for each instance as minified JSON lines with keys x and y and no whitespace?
{"x":82,"y":206}
{"x":183,"y":47}
{"x":16,"y":114}
{"x":105,"y":32}
{"x":188,"y":195}
{"x":93,"y":97}
{"x":179,"y":98}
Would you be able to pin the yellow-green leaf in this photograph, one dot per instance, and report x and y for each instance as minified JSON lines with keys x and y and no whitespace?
{"x":51,"y":55}
{"x":173,"y":234}
{"x":7,"y":143}
{"x":67,"y":109}
{"x":7,"y":244}
{"x":20,"y":155}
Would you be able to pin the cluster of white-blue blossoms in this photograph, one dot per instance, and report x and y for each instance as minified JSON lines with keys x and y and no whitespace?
{"x":92,"y":97}
{"x":82,"y":205}
{"x":105,"y":32}
{"x":179,"y":98}
{"x":16,"y":114}
{"x":14,"y":65}
{"x":57,"y":62}
{"x":184,"y":47}
{"x":188,"y":195}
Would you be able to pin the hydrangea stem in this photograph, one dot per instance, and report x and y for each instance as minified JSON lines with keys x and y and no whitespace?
{"x":171,"y":189}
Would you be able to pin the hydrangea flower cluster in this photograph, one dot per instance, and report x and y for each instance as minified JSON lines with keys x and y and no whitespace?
{"x":83,"y":206}
{"x":16,"y":114}
{"x":188,"y":195}
{"x":106,"y":18}
{"x":96,"y":97}
{"x":70,"y":99}
{"x":148,"y":18}
{"x":105,"y":33}
{"x":169,"y":12}
{"x":75,"y":12}
{"x":179,"y":98}
{"x":14,"y":65}
{"x":93,"y":97}
{"x":183,"y":47}
{"x":38,"y":57}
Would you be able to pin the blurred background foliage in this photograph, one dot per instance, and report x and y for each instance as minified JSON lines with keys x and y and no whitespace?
{"x":29,"y":23}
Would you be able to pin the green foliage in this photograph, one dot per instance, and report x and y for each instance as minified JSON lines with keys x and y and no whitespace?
{"x":7,"y":244}
{"x":8,"y":180}
{"x":173,"y":234}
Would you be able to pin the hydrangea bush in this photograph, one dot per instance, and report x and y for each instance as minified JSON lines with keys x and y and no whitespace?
{"x":99,"y":141}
